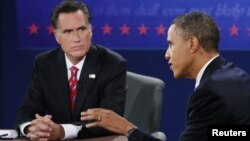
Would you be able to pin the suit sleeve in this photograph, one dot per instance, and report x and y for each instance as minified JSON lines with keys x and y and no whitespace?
{"x":33,"y":101}
{"x":139,"y":135}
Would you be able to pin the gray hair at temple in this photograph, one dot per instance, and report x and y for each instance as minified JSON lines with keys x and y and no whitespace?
{"x":69,"y":6}
{"x":201,"y":26}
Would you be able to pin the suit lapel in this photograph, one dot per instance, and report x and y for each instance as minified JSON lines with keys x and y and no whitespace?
{"x":89,"y":73}
{"x":213,"y":66}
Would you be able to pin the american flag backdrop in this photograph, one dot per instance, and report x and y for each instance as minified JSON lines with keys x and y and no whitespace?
{"x":135,"y":24}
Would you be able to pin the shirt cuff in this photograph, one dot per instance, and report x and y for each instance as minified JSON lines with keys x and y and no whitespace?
{"x":70,"y":131}
{"x":22,"y":127}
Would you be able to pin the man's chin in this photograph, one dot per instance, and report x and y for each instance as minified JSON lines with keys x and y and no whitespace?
{"x":78,"y":54}
{"x":177,"y":76}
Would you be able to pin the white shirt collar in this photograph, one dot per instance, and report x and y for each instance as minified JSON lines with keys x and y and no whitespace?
{"x":198,"y":78}
{"x":79,"y":65}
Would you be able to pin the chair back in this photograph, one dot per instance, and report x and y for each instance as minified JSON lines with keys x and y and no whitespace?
{"x":144,"y":101}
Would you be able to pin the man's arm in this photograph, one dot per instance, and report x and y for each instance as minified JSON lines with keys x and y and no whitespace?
{"x":33,"y":102}
{"x":107,"y":119}
{"x":113,"y":122}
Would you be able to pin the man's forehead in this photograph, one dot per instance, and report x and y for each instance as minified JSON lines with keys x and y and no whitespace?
{"x":174,"y":29}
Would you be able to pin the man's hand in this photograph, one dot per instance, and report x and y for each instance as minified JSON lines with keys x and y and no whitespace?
{"x":43,"y":129}
{"x":107,"y":119}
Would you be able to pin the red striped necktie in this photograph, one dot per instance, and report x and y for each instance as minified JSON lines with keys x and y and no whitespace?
{"x":72,"y":86}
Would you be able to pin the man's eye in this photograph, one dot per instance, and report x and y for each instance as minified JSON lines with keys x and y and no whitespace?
{"x":83,"y":28}
{"x":67,"y":31}
{"x":169,"y":45}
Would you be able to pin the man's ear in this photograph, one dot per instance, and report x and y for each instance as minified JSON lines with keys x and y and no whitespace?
{"x":91,"y":31}
{"x":56,"y":34}
{"x":193,"y":44}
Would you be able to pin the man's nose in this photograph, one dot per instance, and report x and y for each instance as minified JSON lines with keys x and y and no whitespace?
{"x":167,"y":56}
{"x":76,"y":36}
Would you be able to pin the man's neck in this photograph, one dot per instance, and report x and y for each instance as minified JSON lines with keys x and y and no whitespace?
{"x":201,"y":61}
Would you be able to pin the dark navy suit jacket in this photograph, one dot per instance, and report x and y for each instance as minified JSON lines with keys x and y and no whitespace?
{"x":48,"y":91}
{"x":222,"y":97}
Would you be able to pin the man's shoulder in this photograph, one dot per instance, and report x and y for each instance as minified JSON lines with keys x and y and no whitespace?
{"x":220,"y":70}
{"x":230,"y":73}
{"x":226,"y":79}
{"x":49,"y":54}
{"x":106,"y":53}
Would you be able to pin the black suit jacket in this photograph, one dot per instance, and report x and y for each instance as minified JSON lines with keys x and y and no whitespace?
{"x":48,"y":91}
{"x":222,"y":98}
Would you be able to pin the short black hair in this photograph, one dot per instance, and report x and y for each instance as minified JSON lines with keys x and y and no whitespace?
{"x":69,"y":6}
{"x":202,"y":26}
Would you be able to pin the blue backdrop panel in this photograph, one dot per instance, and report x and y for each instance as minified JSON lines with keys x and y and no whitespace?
{"x":135,"y":24}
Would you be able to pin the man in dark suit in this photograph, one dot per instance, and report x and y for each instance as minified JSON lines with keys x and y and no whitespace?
{"x":71,"y":79}
{"x":222,"y":90}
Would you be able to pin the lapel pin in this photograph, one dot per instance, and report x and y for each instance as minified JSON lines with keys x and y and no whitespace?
{"x":92,"y":76}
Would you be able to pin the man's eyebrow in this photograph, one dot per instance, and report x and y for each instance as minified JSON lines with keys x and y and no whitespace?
{"x":82,"y":27}
{"x":67,"y":30}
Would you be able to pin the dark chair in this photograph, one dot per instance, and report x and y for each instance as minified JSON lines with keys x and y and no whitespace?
{"x":144,"y":101}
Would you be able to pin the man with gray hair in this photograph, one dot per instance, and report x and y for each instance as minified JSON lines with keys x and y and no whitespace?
{"x":70,"y":79}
